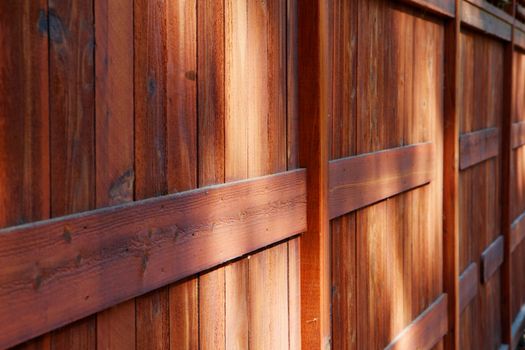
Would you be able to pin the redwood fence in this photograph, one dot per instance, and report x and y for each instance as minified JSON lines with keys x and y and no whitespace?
{"x":246,"y":174}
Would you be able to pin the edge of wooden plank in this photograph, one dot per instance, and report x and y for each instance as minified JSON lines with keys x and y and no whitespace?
{"x":493,"y":10}
{"x":492,"y":258}
{"x":519,"y":37}
{"x":380,"y":175}
{"x":518,"y":133}
{"x":110,"y":255}
{"x":517,"y":231}
{"x":446,"y":8}
{"x":518,"y":327}
{"x":468,"y":286}
{"x":426,"y":330}
{"x":478,"y":146}
{"x":486,"y":22}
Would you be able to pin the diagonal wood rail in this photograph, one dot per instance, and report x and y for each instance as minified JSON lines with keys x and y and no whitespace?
{"x":57,"y":271}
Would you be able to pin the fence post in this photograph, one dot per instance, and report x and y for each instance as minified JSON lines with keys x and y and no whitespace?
{"x":314,"y":83}
{"x":451,"y":177}
{"x":506,"y":154}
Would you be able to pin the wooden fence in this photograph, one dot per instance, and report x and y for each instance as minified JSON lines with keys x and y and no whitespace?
{"x":242,"y":174}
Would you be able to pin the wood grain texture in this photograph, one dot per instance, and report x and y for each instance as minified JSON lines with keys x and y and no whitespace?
{"x":445,"y":8}
{"x":518,"y":327}
{"x":24,"y":119}
{"x":315,"y":99}
{"x":211,"y":150}
{"x":491,"y":259}
{"x":518,"y":134}
{"x":519,"y":38}
{"x":151,"y":173}
{"x":480,"y":185}
{"x":485,"y":21}
{"x":72,"y":126}
{"x":114,"y":141}
{"x":478,"y":146}
{"x":181,"y":144}
{"x":146,"y":245}
{"x":426,"y":330}
{"x":451,"y":189}
{"x":468,"y":286}
{"x":381,"y":175}
{"x":493,"y":10}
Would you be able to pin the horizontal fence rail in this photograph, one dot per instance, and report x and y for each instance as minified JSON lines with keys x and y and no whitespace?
{"x":518,"y":134}
{"x":486,"y":21}
{"x":518,"y":327}
{"x":468,"y":286}
{"x":426,"y":330}
{"x":57,"y":271}
{"x":477,"y":146}
{"x":517,"y":232}
{"x":491,"y":259}
{"x":358,"y":181}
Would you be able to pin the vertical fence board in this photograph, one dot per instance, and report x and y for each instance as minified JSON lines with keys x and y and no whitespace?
{"x":114,"y":141}
{"x":71,"y":108}
{"x":24,"y":115}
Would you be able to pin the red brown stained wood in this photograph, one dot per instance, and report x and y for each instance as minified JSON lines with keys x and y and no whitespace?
{"x":485,"y":21}
{"x":138,"y":247}
{"x":518,"y":326}
{"x":491,"y":259}
{"x":114,"y":141}
{"x":71,"y":108}
{"x":519,"y":38}
{"x":24,"y":115}
{"x":517,"y":232}
{"x":314,"y":72}
{"x":478,"y":146}
{"x":505,"y":180}
{"x":426,"y":330}
{"x":445,"y":8}
{"x":451,"y":178}
{"x":493,"y":10}
{"x":518,"y":134}
{"x":359,"y":181}
{"x":468,"y":286}
{"x":211,"y":119}
{"x":181,"y":91}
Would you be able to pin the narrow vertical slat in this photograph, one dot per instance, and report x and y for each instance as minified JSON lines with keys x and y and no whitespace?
{"x":152,"y":310}
{"x":114,"y":141}
{"x":451,"y":178}
{"x":314,"y":72}
{"x":72,"y":153}
{"x":505,"y":186}
{"x":181,"y":44}
{"x":24,"y":111}
{"x":210,"y":97}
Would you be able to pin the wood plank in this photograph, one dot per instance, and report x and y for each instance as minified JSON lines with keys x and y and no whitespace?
{"x":315,"y":99}
{"x":491,"y":259}
{"x":451,"y":125}
{"x":72,"y":125}
{"x":485,"y":21}
{"x":137,"y":247}
{"x":478,"y":146}
{"x":426,"y":330}
{"x":359,"y":181}
{"x":518,"y":134}
{"x":518,"y":327}
{"x":446,"y":8}
{"x":24,"y":115}
{"x":151,"y":172}
{"x":493,"y":10}
{"x":114,"y":141}
{"x":517,"y":232}
{"x":519,"y":38}
{"x":211,"y":155}
{"x":181,"y":92}
{"x":468,"y":286}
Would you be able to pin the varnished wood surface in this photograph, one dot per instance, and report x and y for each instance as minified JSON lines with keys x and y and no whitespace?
{"x":468,"y":285}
